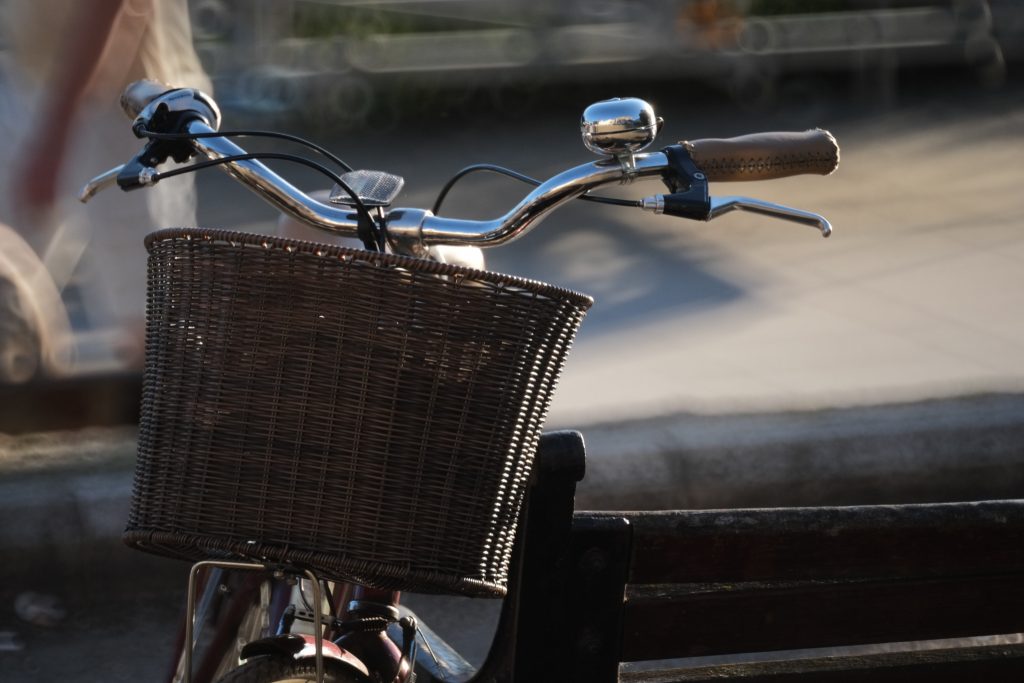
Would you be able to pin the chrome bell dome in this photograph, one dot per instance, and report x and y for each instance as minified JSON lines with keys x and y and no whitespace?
{"x":619,"y":126}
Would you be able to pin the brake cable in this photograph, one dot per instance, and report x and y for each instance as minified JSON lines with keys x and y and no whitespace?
{"x":501,"y":170}
{"x":141,"y":131}
{"x":368,"y":229}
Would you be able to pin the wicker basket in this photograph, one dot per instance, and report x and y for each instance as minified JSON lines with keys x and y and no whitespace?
{"x":370,"y":417}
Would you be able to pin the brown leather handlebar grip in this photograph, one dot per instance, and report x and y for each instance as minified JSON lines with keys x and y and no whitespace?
{"x":764,"y":156}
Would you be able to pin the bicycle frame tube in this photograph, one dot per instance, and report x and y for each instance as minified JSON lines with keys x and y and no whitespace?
{"x":238,"y":590}
{"x":239,"y":598}
{"x":189,"y":643}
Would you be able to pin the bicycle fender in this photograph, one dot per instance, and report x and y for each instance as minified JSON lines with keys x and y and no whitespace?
{"x":299,"y":646}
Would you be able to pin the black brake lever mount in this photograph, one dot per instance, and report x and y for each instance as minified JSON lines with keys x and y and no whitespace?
{"x":168,"y":114}
{"x":688,"y":185}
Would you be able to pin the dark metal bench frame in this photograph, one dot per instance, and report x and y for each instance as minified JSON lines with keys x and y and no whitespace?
{"x":594,"y":589}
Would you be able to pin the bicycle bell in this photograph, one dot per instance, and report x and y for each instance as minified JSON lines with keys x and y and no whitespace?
{"x":619,"y":126}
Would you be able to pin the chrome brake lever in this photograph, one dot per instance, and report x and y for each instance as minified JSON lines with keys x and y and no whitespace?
{"x":713,"y":207}
{"x":723,"y":205}
{"x":100,"y":182}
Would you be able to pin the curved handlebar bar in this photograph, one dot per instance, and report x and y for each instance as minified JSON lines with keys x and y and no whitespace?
{"x":684,"y":168}
{"x":408,"y":227}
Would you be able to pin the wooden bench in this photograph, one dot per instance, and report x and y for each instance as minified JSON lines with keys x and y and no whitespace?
{"x":592,"y":590}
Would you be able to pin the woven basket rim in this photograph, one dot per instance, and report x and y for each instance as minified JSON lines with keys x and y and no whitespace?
{"x":333,"y":251}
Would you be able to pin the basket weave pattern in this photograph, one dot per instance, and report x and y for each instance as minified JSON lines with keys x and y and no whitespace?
{"x":371,"y":417}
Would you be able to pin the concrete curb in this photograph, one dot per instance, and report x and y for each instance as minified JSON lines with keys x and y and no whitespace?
{"x":968,"y":448}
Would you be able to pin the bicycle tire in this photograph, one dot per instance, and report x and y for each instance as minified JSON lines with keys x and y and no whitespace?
{"x":276,"y":669}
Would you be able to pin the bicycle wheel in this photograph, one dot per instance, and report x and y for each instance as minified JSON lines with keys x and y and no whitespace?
{"x":271,"y":669}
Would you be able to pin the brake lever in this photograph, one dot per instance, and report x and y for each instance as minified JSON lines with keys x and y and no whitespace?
{"x":129,"y":176}
{"x":140,"y":171}
{"x":677,"y":205}
{"x":100,"y":182}
{"x":723,"y":205}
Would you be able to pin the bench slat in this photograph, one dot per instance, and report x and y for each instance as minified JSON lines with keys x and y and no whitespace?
{"x":826,"y":543}
{"x":991,"y":664}
{"x":663,"y":622}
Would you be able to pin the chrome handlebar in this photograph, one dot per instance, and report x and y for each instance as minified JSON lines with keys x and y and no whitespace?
{"x":273,"y":188}
{"x":620,"y":128}
{"x":411,"y":230}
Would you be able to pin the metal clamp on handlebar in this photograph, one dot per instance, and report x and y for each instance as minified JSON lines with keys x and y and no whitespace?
{"x":689,"y":198}
{"x":169,"y":112}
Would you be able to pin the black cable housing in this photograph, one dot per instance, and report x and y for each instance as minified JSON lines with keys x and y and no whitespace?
{"x":143,"y":132}
{"x":501,"y":170}
{"x":374,"y":242}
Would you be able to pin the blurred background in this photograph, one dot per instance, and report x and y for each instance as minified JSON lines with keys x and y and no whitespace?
{"x":740,"y":362}
{"x":349,"y":63}
{"x":424,"y":88}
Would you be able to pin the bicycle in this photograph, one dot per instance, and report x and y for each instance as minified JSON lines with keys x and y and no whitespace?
{"x":254,"y":455}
